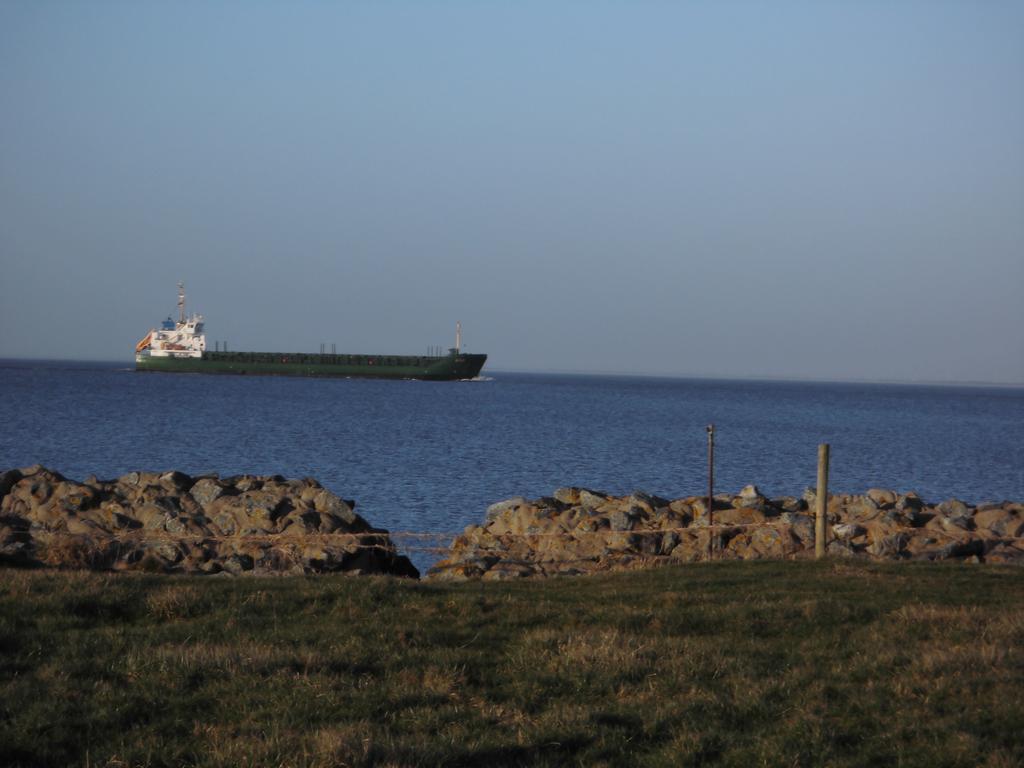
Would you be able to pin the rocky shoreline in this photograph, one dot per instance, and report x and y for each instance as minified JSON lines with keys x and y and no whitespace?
{"x":578,"y":531}
{"x":172,"y":523}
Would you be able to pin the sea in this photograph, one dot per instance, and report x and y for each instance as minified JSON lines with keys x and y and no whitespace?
{"x":430,"y":457}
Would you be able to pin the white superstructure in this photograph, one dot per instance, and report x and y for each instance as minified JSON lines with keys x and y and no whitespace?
{"x":184,"y":338}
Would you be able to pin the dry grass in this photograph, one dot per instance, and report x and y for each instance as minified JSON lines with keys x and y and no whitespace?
{"x":730,"y":664}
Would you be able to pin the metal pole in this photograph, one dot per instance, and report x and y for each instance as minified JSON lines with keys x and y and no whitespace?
{"x":711,"y":489}
{"x":821,"y":502}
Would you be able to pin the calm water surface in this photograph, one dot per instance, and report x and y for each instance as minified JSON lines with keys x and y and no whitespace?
{"x":427,"y":456}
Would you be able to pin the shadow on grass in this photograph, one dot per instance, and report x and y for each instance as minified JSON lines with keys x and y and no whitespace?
{"x":548,"y":753}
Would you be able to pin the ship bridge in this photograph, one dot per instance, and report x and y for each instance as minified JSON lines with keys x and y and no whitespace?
{"x":184,"y":338}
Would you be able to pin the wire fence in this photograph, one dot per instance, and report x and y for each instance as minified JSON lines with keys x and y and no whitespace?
{"x":442,"y":542}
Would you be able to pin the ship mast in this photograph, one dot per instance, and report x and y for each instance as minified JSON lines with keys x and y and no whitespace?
{"x":181,"y":303}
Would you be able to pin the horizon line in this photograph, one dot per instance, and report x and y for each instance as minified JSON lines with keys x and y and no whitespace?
{"x":765,"y":378}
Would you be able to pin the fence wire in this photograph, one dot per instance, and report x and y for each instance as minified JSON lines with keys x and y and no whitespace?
{"x":441,"y":542}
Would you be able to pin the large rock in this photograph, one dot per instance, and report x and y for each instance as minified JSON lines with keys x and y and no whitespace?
{"x":887,"y":545}
{"x":1005,"y":521}
{"x":8,"y":479}
{"x":570,"y":496}
{"x":882,"y":497}
{"x":334,"y":508}
{"x":846,"y":531}
{"x":768,"y":542}
{"x":501,"y":507}
{"x":954,"y":508}
{"x":206,"y":491}
{"x":592,"y":499}
{"x":751,"y":498}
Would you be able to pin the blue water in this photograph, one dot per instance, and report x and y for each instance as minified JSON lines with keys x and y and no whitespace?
{"x":425,"y":456}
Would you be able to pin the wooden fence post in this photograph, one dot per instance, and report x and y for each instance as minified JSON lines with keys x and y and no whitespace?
{"x":711,"y":490}
{"x":821,"y":503}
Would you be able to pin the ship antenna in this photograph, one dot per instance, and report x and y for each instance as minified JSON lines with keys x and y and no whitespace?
{"x":458,"y":336}
{"x":181,"y":303}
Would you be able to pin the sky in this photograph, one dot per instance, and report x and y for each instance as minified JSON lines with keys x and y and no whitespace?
{"x":796,"y":190}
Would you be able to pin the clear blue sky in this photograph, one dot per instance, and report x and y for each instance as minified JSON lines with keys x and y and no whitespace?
{"x":785,"y":189}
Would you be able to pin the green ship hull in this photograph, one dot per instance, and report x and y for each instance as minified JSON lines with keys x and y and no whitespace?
{"x":451,"y":367}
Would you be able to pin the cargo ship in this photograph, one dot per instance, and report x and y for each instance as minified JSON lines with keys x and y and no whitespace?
{"x":180,"y":347}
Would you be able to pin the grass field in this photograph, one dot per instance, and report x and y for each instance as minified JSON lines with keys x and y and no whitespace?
{"x":738,"y":663}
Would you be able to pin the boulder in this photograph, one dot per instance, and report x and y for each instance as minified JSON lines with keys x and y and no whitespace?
{"x":860,"y":508}
{"x":592,"y":499}
{"x":848,"y":531}
{"x":887,"y":545}
{"x":500,"y":507}
{"x":176,"y":481}
{"x":736,"y":516}
{"x":131,"y":478}
{"x":801,"y":525}
{"x":1006,"y":522}
{"x":205,"y":491}
{"x":237,"y":563}
{"x":1006,"y":553}
{"x":882,"y":497}
{"x":790,"y":504}
{"x":954,"y":508}
{"x":691,"y":547}
{"x":647,"y":502}
{"x":570,"y":496}
{"x":8,"y":479}
{"x":775,"y":542}
{"x":949,"y":524}
{"x":516,"y":520}
{"x":243,"y":483}
{"x":327,"y":503}
{"x":751,"y":498}
{"x":839,"y":548}
{"x":620,"y":520}
{"x":909,"y":501}
{"x":455,"y":570}
{"x":960,"y":549}
{"x":506,"y":570}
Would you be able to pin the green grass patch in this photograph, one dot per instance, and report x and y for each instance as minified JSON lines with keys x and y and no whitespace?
{"x":733,"y":663}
